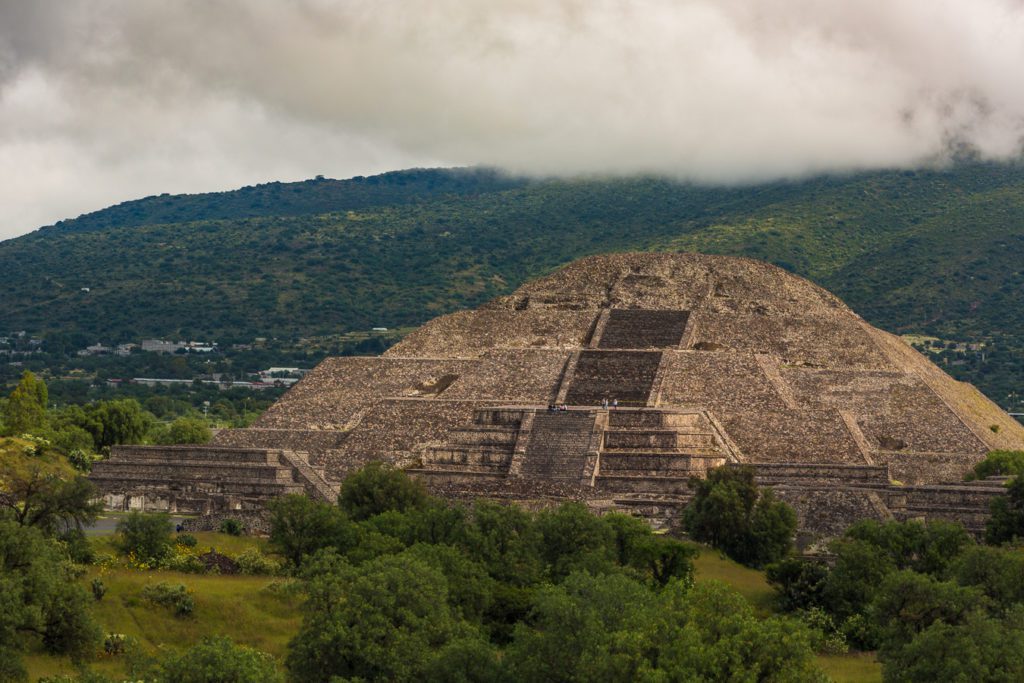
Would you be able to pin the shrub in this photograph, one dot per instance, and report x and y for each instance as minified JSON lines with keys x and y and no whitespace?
{"x":115,"y":644}
{"x":184,"y":562}
{"x":1007,"y":520}
{"x":80,"y":460}
{"x":186,"y":540}
{"x":99,"y":589}
{"x":78,"y":547}
{"x":185,"y":430}
{"x":996,"y":463}
{"x":828,"y":638}
{"x":231,"y":526}
{"x":216,"y":660}
{"x":146,"y":536}
{"x":253,"y":562}
{"x":378,"y":488}
{"x":177,"y":597}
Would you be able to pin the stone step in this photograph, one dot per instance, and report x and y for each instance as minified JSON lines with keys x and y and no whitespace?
{"x":195,"y":470}
{"x":558,"y":446}
{"x":253,"y":487}
{"x":468,"y":456}
{"x":643,"y":329}
{"x":483,"y":436}
{"x":627,"y":376}
{"x":651,"y":464}
{"x":690,"y":451}
{"x":615,"y":439}
{"x":498,"y":417}
{"x":642,"y":484}
{"x":633,"y":418}
{"x":218,"y":454}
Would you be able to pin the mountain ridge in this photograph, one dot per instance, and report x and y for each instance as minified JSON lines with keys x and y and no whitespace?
{"x":935,"y":252}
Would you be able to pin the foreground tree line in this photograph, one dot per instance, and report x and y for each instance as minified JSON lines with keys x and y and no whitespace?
{"x":398,"y":585}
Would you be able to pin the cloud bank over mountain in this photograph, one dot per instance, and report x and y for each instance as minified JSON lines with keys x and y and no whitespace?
{"x":107,"y":100}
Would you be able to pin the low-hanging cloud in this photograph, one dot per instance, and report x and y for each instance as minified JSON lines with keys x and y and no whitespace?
{"x":106,"y":100}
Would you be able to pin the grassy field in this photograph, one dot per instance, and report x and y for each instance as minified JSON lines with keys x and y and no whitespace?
{"x":259,"y":611}
{"x":264,"y":612}
{"x":751,"y":584}
{"x":861,"y":667}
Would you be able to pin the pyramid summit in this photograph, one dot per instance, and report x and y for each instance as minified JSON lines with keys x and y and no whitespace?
{"x":667,"y":365}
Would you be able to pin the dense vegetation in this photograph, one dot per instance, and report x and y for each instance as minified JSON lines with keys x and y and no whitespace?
{"x":390,"y":583}
{"x":936,"y":606}
{"x":936,"y":252}
{"x":397,"y":585}
{"x":84,"y":432}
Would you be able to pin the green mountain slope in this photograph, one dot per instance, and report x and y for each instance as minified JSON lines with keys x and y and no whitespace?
{"x":939,"y":252}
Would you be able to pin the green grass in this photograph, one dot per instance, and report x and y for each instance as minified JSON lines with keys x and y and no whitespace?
{"x":106,"y":543}
{"x":856,"y":667}
{"x":257,"y":611}
{"x":711,"y":565}
{"x":247,"y":608}
{"x":750,"y":583}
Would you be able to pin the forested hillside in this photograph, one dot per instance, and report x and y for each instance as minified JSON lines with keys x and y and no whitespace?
{"x":937,"y":252}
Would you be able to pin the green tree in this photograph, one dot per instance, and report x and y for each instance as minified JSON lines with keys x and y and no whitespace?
{"x":185,"y":430}
{"x":378,"y":488}
{"x":219,"y":660}
{"x":145,"y":535}
{"x":996,"y":463}
{"x":117,"y":422}
{"x":982,"y":649}
{"x":505,"y":540}
{"x":858,"y":570}
{"x":1007,"y":520}
{"x":907,"y":603}
{"x":383,"y":620}
{"x":571,"y":537}
{"x":799,"y":584}
{"x":999,"y":572}
{"x":652,"y":558}
{"x":470,"y":589}
{"x":731,"y":514}
{"x":300,"y":526}
{"x":40,"y":598}
{"x":37,"y":493}
{"x":710,"y":633}
{"x":589,"y":628}
{"x":24,"y":412}
{"x":926,"y":547}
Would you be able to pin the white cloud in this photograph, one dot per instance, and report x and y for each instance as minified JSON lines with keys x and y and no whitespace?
{"x":104,"y":101}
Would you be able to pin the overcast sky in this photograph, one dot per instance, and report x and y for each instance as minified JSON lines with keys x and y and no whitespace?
{"x":107,"y":100}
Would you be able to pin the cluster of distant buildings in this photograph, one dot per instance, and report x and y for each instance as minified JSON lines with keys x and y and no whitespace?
{"x":151,"y":346}
{"x":19,"y":344}
{"x":268,"y":379}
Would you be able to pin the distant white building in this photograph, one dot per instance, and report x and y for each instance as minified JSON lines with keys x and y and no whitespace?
{"x":124,"y":349}
{"x":96,"y":350}
{"x":161,"y":346}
